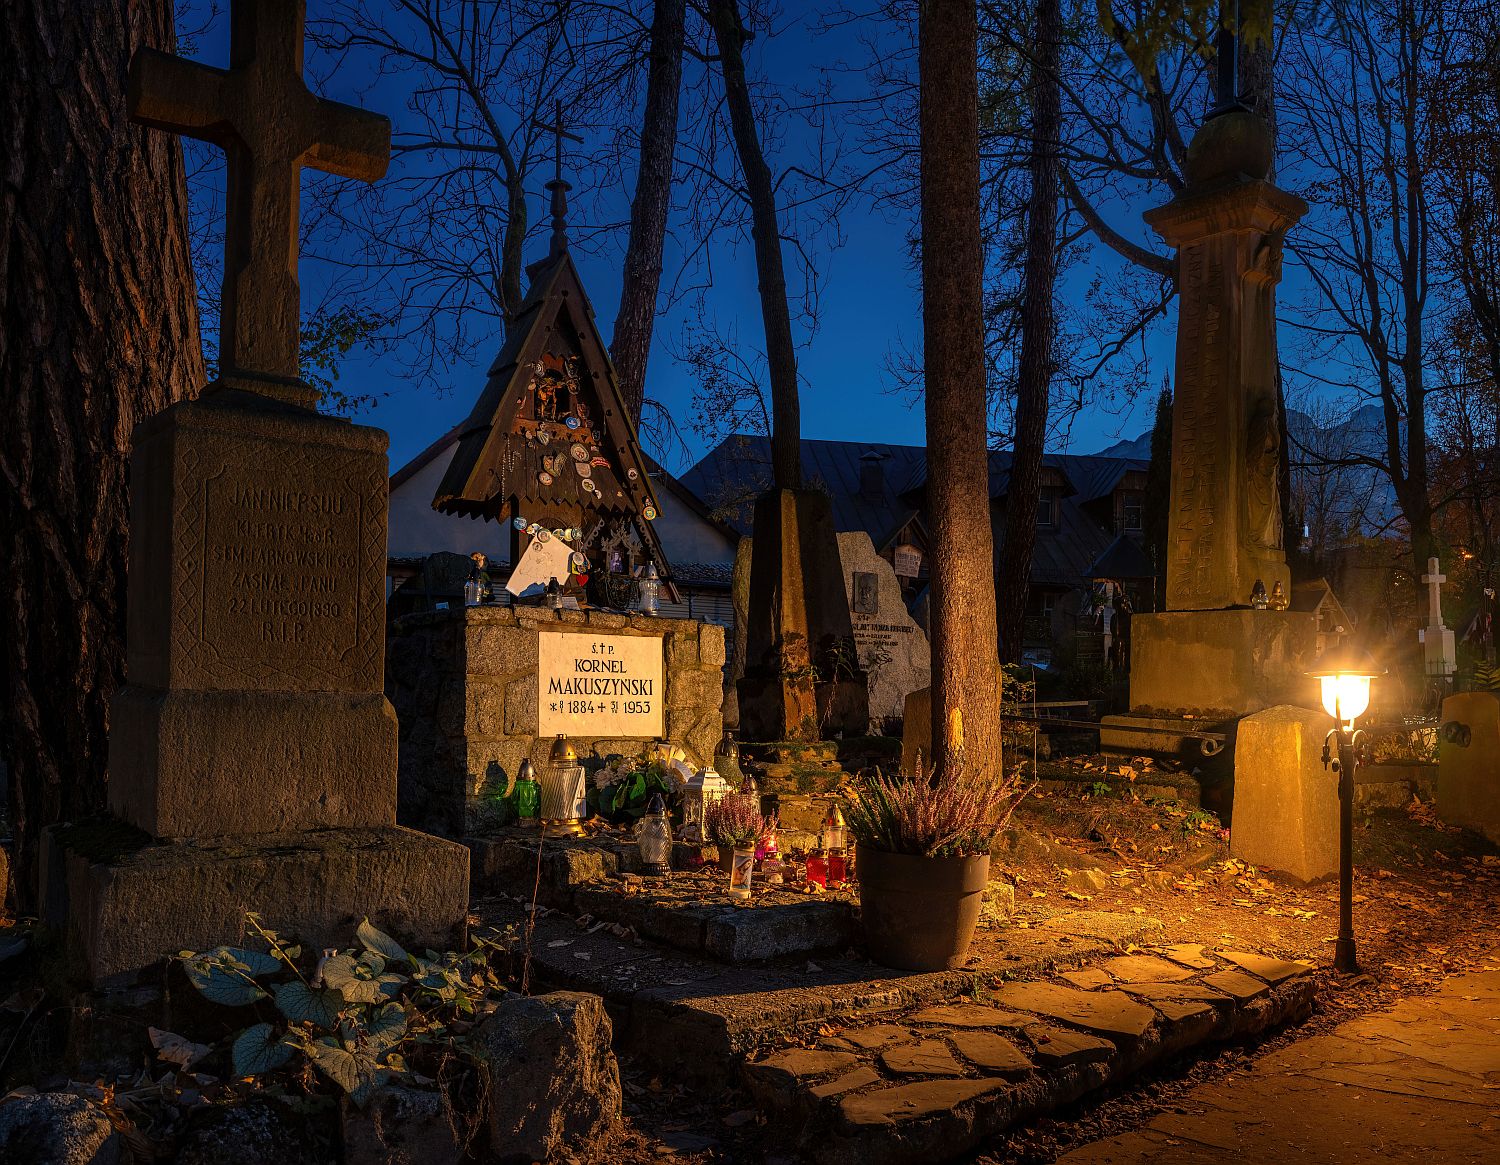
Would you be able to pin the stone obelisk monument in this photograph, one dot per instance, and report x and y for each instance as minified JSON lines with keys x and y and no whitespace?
{"x":1221,"y":649}
{"x":252,"y":749}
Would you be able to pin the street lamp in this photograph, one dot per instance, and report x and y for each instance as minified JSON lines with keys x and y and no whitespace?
{"x":1344,"y":674}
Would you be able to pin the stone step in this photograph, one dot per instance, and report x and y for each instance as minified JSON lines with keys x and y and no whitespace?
{"x":691,"y":1017}
{"x":694,"y":913}
{"x":930,"y":1083}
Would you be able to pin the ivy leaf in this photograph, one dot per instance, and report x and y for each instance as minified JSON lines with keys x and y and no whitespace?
{"x":303,"y":1004}
{"x":386,"y":1027}
{"x":382,"y":944}
{"x":220,"y":981}
{"x":361,"y":979}
{"x":355,"y":1072}
{"x":258,"y":1049}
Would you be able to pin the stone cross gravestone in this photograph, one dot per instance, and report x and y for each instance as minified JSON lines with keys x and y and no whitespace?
{"x":1439,"y":654}
{"x":252,"y":740}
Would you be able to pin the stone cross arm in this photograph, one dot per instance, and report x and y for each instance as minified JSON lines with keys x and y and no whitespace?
{"x":197,"y":100}
{"x":261,"y":113}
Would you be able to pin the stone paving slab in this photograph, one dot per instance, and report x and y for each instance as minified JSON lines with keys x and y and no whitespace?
{"x":1044,"y":1046}
{"x":1104,"y":1013}
{"x":923,"y":1058}
{"x":1414,"y":1085}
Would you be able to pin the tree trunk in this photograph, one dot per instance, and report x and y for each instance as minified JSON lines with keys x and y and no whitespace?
{"x":98,"y":330}
{"x":965,"y":686}
{"x":1038,"y":333}
{"x":765,"y":231}
{"x":630,"y":346}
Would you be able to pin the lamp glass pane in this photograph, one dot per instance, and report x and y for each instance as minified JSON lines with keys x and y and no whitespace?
{"x":1345,"y":697}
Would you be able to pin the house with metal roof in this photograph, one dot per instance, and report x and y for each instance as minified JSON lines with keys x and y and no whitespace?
{"x":1086,"y":503}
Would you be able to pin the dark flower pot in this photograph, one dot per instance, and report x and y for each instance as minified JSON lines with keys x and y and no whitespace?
{"x":919,"y":913}
{"x":726,"y":857}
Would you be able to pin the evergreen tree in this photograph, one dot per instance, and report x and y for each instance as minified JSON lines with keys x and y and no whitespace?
{"x":1158,"y":499}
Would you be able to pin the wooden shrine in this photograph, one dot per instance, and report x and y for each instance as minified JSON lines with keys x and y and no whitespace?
{"x":550,"y":447}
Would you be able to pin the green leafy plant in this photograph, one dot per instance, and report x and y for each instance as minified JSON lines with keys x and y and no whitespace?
{"x":1101,"y":789}
{"x":946,"y":815}
{"x":358,"y":1016}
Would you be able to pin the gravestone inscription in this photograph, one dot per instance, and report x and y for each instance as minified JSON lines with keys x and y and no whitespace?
{"x":599,"y":685}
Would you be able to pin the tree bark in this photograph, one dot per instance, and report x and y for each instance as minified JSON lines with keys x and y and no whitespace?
{"x":1038,"y":333}
{"x":630,"y":346}
{"x":98,"y":330}
{"x":965,"y":688}
{"x":765,"y":231}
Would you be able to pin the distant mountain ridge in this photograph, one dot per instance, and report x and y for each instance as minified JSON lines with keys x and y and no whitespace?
{"x":1358,"y":498}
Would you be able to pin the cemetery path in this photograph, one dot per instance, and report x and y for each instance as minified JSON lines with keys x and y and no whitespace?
{"x":1417,"y":1082}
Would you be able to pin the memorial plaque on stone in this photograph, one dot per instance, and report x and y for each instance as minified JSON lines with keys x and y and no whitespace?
{"x":600,"y":685}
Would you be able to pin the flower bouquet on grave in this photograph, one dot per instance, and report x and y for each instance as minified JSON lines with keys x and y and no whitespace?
{"x":623,"y":788}
{"x":734,"y":824}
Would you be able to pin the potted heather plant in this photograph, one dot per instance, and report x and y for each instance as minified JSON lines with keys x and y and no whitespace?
{"x":734,"y":824}
{"x":922,"y":859}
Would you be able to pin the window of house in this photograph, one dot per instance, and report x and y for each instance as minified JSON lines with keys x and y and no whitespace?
{"x":1046,"y":510}
{"x":1132,"y":511}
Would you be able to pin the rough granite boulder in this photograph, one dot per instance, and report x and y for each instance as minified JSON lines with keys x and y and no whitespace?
{"x":57,"y":1128}
{"x":554,"y":1083}
{"x":258,"y":1132}
{"x":401,"y":1126}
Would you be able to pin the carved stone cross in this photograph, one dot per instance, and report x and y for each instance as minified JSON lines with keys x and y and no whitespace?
{"x":1434,"y":581}
{"x":261,"y":114}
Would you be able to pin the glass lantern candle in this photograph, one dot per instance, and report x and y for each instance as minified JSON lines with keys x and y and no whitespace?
{"x":817,"y":869}
{"x":727,"y":753}
{"x":835,"y":831}
{"x":741,"y":873}
{"x":698,"y":793}
{"x":527,"y":795}
{"x":654,"y":836}
{"x":564,"y":790}
{"x":650,"y":591}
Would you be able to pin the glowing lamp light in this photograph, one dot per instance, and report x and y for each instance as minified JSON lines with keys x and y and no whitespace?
{"x":1344,"y":674}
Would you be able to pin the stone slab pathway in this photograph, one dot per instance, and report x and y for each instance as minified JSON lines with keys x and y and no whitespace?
{"x":1417,"y":1083}
{"x":928,"y":1083}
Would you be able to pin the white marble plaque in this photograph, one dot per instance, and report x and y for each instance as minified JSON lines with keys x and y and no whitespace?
{"x":600,"y":685}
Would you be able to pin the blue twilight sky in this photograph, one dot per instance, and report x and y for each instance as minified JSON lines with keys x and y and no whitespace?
{"x":870,"y":304}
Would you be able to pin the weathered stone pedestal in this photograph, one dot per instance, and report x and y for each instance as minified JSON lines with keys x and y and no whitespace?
{"x":1206,"y":669}
{"x":252,"y":750}
{"x":1286,"y":804}
{"x":798,"y":624}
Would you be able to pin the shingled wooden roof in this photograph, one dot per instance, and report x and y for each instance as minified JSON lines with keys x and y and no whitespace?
{"x":496,"y":475}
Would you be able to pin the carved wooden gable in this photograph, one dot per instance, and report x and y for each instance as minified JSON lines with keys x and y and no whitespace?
{"x":549,"y":440}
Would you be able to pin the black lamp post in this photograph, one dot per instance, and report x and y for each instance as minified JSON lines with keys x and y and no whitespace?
{"x":1344,"y":674}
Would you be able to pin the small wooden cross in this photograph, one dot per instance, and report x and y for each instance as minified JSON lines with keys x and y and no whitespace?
{"x":261,"y":114}
{"x":558,"y":186}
